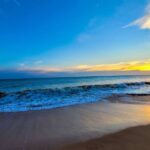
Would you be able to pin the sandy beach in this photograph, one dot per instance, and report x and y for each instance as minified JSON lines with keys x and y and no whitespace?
{"x":77,"y":127}
{"x":134,"y":138}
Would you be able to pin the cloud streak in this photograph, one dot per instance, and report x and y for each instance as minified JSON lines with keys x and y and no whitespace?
{"x":143,"y":22}
{"x":123,"y":66}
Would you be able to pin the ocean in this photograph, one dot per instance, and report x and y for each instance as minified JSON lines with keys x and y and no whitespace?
{"x":47,"y":93}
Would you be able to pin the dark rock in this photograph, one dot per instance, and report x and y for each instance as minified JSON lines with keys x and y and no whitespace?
{"x":2,"y":94}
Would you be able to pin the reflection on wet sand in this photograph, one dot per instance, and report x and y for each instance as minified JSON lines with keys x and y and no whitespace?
{"x":50,"y":129}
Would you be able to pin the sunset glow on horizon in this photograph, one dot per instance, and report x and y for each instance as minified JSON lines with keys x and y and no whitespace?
{"x":124,"y":66}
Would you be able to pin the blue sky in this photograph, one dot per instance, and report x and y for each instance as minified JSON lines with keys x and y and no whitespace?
{"x":71,"y":35}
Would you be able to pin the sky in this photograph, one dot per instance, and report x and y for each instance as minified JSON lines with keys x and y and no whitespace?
{"x":74,"y":37}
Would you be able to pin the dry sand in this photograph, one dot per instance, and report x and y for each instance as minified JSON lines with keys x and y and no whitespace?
{"x":57,"y":128}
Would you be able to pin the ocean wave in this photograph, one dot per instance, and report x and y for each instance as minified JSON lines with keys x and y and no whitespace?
{"x":76,"y":89}
{"x":35,"y":99}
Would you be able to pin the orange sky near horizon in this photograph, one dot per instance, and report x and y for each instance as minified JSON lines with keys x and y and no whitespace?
{"x":123,"y":66}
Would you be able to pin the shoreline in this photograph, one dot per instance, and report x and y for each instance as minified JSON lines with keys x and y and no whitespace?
{"x":56,"y":128}
{"x":128,"y":139}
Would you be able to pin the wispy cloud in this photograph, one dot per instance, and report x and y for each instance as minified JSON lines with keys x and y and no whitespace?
{"x":143,"y":22}
{"x":123,"y":66}
{"x":38,"y":62}
{"x":22,"y":64}
{"x":42,"y":69}
{"x":87,"y":35}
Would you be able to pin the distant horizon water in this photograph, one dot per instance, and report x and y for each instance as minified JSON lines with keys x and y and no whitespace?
{"x":79,"y":76}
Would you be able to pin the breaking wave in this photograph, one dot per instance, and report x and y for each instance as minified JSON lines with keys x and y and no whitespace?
{"x":37,"y":99}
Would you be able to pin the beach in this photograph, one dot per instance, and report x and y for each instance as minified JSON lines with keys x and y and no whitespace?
{"x":78,"y":127}
{"x":74,"y":75}
{"x":134,"y":138}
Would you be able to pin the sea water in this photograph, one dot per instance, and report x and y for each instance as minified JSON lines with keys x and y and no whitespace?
{"x":48,"y":93}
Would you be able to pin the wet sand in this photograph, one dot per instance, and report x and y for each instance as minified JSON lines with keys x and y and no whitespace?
{"x":57,"y":128}
{"x":134,"y":138}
